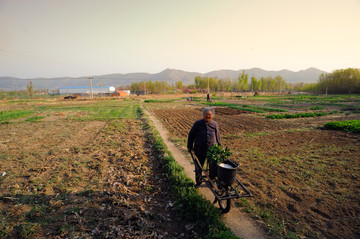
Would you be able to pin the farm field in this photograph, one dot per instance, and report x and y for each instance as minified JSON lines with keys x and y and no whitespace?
{"x":305,"y":179}
{"x":82,"y":169}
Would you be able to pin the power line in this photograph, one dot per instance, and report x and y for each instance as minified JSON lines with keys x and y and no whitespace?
{"x":41,"y":59}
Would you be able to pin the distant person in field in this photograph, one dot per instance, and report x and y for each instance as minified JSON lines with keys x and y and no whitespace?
{"x":208,"y":97}
{"x":204,"y":134}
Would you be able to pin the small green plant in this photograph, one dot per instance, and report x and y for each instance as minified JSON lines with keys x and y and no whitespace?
{"x":316,"y":107}
{"x":218,"y":154}
{"x":352,"y":126}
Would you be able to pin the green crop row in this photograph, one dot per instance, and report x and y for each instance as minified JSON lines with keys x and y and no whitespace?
{"x":191,"y":206}
{"x":14,"y":114}
{"x":316,"y":107}
{"x":268,"y":109}
{"x":295,"y":115}
{"x":160,"y":101}
{"x":352,"y":126}
{"x":252,"y":108}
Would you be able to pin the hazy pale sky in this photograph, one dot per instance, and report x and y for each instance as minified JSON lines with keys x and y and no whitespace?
{"x":47,"y":38}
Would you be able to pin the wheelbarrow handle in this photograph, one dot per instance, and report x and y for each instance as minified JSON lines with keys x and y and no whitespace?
{"x":196,"y":161}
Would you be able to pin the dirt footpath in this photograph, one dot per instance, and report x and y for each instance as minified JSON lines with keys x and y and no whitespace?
{"x":239,"y":222}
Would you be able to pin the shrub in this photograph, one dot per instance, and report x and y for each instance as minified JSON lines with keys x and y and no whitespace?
{"x":352,"y":126}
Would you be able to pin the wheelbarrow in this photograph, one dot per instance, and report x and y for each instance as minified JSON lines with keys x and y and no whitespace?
{"x":225,"y":185}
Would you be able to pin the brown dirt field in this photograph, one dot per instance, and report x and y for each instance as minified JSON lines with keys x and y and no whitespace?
{"x":68,"y":179}
{"x":231,"y":121}
{"x":306,"y":177}
{"x":45,"y":135}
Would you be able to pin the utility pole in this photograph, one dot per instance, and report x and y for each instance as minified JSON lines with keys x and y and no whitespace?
{"x":252,"y":84}
{"x":90,"y":86}
{"x":101,"y":90}
{"x":67,"y":86}
{"x":208,"y":86}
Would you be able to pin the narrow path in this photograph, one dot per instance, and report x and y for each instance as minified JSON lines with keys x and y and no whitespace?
{"x":239,"y":222}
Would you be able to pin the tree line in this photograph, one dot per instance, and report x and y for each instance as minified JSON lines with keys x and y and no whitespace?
{"x":242,"y":84}
{"x":155,"y":87}
{"x":342,"y":81}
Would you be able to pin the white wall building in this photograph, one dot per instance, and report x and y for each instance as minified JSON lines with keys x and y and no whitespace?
{"x":85,"y":90}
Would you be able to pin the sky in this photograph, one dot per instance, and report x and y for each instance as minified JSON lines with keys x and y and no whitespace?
{"x":55,"y":38}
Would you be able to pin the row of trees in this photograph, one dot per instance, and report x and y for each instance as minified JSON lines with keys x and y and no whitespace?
{"x":242,"y":83}
{"x":155,"y":87}
{"x":343,"y":81}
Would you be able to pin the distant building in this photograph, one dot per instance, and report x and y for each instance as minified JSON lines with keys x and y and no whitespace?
{"x":85,"y":90}
{"x":121,"y":93}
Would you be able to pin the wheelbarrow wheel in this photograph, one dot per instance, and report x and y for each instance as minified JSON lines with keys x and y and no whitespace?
{"x":225,"y":205}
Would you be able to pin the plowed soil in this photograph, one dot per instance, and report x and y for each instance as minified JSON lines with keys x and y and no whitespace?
{"x":71,"y":179}
{"x":305,"y":177}
{"x":231,"y":121}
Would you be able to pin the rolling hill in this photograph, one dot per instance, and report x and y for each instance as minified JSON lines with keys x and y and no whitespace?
{"x":168,"y":75}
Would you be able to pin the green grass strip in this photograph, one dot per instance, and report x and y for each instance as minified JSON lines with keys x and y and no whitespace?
{"x":35,"y":119}
{"x":234,"y":106}
{"x":316,"y":107}
{"x":191,"y":206}
{"x":295,"y":115}
{"x":352,"y":126}
{"x":14,"y":114}
{"x":252,"y":108}
{"x":160,"y":101}
{"x":268,"y":109}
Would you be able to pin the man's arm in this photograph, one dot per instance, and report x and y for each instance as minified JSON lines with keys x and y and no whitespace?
{"x":218,"y":135}
{"x":191,"y":137}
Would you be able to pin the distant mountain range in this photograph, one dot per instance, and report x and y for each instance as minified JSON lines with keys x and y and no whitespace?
{"x":168,"y":75}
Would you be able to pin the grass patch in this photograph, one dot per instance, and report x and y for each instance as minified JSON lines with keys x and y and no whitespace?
{"x":234,"y":106}
{"x":268,"y":109}
{"x":332,"y":100}
{"x":295,"y":115}
{"x":251,"y":108}
{"x":352,"y":126}
{"x":316,"y":107}
{"x":102,"y":111}
{"x":160,"y":101}
{"x":35,"y":119}
{"x":191,"y":206}
{"x":14,"y":114}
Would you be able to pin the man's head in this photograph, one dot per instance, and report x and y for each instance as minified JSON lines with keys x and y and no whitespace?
{"x":208,"y":114}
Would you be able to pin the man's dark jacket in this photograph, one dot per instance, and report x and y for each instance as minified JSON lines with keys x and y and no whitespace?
{"x":198,"y":134}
